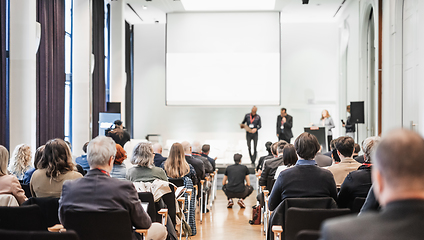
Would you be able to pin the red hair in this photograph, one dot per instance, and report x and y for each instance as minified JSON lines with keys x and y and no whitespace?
{"x":120,"y":156}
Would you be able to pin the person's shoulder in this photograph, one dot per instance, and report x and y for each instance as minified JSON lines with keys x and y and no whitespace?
{"x":349,"y":227}
{"x":9,"y":178}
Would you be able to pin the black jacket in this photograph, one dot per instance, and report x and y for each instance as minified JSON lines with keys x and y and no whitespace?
{"x":356,"y":184}
{"x":287,"y":131}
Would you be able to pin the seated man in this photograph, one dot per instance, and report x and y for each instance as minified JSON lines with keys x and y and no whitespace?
{"x":398,"y":177}
{"x":197,"y":164}
{"x":82,"y":160}
{"x":97,"y":191}
{"x":271,"y":165}
{"x":158,"y":159}
{"x":233,"y":183}
{"x":345,"y":147}
{"x":205,"y":153}
{"x":305,"y":179}
{"x":196,"y":148}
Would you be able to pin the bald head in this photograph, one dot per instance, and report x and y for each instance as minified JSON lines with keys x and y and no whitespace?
{"x":254,"y":110}
{"x":157,"y":148}
{"x":399,"y":159}
{"x":187,"y":147}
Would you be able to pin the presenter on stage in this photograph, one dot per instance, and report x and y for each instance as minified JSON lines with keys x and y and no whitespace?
{"x":252,"y":123}
{"x":328,"y":123}
{"x":284,"y":126}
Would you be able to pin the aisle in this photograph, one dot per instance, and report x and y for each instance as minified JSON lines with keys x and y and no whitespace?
{"x":222,"y":223}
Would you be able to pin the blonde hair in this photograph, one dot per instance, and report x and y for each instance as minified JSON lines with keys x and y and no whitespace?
{"x":4,"y":158}
{"x":20,"y":160}
{"x":176,"y":166}
{"x":326,"y":115}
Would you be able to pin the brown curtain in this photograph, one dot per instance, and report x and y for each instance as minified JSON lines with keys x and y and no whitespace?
{"x":129,"y":72}
{"x":4,"y":121}
{"x":99,"y":86}
{"x":51,"y":71}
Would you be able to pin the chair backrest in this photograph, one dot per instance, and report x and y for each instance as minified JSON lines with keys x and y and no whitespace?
{"x":95,"y":225}
{"x":8,"y":200}
{"x":308,"y":235}
{"x":169,"y":200}
{"x":308,"y":219}
{"x":49,"y":207}
{"x":38,"y":235}
{"x":358,"y":202}
{"x":151,"y":209}
{"x":26,"y":218}
{"x":177,"y":181}
{"x":27,"y":190}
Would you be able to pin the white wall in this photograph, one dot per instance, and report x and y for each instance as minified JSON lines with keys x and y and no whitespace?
{"x":308,"y":85}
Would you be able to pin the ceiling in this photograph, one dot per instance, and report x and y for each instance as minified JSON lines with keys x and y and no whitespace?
{"x":154,"y":11}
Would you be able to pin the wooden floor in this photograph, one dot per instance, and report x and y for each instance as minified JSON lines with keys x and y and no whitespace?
{"x":222,"y":223}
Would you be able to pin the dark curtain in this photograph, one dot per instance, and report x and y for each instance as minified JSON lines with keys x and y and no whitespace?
{"x":99,"y":87}
{"x":129,"y":72}
{"x":51,"y":71}
{"x":4,"y":130}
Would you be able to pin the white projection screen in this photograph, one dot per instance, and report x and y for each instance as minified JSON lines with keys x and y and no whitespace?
{"x":223,"y":59}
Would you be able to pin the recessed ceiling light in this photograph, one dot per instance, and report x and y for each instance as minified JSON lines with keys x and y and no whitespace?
{"x":227,"y":5}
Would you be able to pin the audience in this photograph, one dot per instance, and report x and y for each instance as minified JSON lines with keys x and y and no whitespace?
{"x":305,"y":179}
{"x":196,"y":149}
{"x":82,"y":160}
{"x":37,"y":157}
{"x":145,"y":170}
{"x":97,"y":191}
{"x":358,"y":183}
{"x":9,"y":184}
{"x":55,"y":167}
{"x":119,"y":170}
{"x":271,"y":165}
{"x":206,"y":148}
{"x":20,"y":161}
{"x":398,"y":177}
{"x":158,"y":159}
{"x":233,"y":183}
{"x":197,"y":164}
{"x":176,"y":166}
{"x":345,"y":147}
{"x":263,"y":158}
{"x":289,"y":158}
{"x":323,"y":160}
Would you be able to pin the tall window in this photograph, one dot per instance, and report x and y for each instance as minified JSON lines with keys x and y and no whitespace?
{"x":68,"y":70}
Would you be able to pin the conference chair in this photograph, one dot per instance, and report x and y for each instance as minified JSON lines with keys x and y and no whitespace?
{"x":308,"y":235}
{"x":38,"y":235}
{"x":299,"y":219}
{"x":358,"y":202}
{"x":49,"y":208}
{"x":147,"y":197}
{"x":278,"y":216}
{"x":23,"y":218}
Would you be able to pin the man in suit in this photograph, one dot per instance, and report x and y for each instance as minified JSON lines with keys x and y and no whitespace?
{"x":97,"y":191}
{"x":305,"y":179}
{"x":196,"y":149}
{"x":205,"y":153}
{"x":284,"y":126}
{"x":197,"y":164}
{"x":398,"y":177}
{"x":271,"y":165}
{"x":253,"y":121}
{"x":158,"y":159}
{"x":345,"y":147}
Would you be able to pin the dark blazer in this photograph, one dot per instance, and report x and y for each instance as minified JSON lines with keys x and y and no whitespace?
{"x":287,"y":131}
{"x":269,"y":169}
{"x":356,"y":184}
{"x":97,"y":191}
{"x":398,"y":220}
{"x":158,"y":159}
{"x":302,"y":181}
{"x":198,"y":167}
{"x":211,"y":160}
{"x":206,"y":163}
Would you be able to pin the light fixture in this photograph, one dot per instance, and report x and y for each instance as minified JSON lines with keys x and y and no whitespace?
{"x":227,"y":5}
{"x":144,"y":7}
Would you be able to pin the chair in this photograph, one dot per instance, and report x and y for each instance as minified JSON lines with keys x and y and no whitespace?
{"x":169,"y":200}
{"x":27,"y":190}
{"x":299,"y":219}
{"x":49,"y":208}
{"x":94,"y":225}
{"x":151,"y":209}
{"x":176,"y":181}
{"x":358,"y":202}
{"x":24,"y":218}
{"x":308,"y":235}
{"x":278,"y":215}
{"x":8,"y":200}
{"x":38,"y":235}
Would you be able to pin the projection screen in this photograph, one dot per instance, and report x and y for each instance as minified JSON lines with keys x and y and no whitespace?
{"x":223,"y":59}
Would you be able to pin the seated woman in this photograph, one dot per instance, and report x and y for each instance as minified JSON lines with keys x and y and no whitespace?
{"x":37,"y":157}
{"x":358,"y":183}
{"x":289,"y":158}
{"x":145,"y":170}
{"x":177,"y":167}
{"x":9,"y":184}
{"x":55,"y":167}
{"x":20,"y":161}
{"x":119,"y":170}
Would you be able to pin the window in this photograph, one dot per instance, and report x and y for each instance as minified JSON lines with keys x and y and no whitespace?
{"x":68,"y":70}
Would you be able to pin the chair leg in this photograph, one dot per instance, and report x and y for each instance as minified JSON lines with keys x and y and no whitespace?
{"x":201,"y":200}
{"x":189,"y":191}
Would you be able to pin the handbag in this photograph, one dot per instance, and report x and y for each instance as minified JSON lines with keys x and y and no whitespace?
{"x":256,"y":215}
